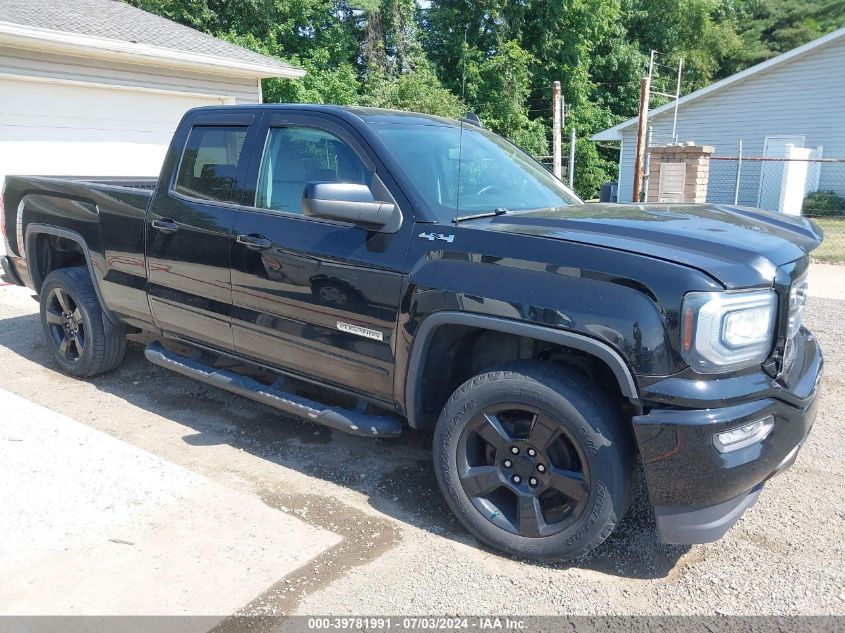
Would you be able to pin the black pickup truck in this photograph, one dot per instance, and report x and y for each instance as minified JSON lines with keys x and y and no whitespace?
{"x":369,"y":269}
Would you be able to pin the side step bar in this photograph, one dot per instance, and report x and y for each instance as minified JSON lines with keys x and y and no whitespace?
{"x":353,"y":421}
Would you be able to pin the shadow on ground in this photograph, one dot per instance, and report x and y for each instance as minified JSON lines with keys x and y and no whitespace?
{"x":395,"y":474}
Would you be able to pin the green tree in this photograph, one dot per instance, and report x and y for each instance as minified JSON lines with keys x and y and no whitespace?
{"x":701,"y":32}
{"x":503,"y":57}
{"x":769,"y":27}
{"x":418,"y":90}
{"x":500,"y":86}
{"x":395,"y":70}
{"x":500,"y":57}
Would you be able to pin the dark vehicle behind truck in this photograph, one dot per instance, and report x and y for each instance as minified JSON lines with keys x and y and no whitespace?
{"x":423,"y":272}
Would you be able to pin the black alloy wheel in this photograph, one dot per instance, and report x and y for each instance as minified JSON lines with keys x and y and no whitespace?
{"x":66,"y":325}
{"x":522,"y":470}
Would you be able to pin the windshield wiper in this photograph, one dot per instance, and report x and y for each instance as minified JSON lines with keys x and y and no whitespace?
{"x":485,"y":214}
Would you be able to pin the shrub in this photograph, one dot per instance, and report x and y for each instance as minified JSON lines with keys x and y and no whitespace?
{"x":823,"y":203}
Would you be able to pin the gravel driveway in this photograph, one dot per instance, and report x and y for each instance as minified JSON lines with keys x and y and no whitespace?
{"x":402,"y":552}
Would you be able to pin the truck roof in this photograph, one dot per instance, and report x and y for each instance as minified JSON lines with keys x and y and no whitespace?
{"x":361,"y":113}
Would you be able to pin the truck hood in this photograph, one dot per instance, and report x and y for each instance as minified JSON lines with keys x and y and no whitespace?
{"x":738,"y":246}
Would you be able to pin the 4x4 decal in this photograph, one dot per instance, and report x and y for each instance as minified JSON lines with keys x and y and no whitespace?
{"x":437,"y":236}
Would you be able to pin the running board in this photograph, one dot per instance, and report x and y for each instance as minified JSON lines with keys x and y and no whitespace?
{"x":353,"y":421}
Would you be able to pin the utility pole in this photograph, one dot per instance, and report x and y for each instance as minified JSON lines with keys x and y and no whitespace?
{"x":641,"y":139}
{"x":557,"y":116}
{"x":645,"y":91}
{"x":570,"y":168}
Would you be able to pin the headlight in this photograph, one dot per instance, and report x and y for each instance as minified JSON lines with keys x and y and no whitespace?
{"x":725,"y":331}
{"x":797,"y":299}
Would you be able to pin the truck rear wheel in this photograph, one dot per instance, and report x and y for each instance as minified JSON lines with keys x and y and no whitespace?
{"x":80,"y":340}
{"x":533,"y":461}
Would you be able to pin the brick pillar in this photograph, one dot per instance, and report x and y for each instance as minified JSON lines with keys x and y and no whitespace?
{"x":696,"y":170}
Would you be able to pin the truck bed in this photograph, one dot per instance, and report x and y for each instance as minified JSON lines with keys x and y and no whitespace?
{"x":106,"y":214}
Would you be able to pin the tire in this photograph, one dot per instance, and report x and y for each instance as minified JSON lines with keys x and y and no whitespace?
{"x":80,"y":340}
{"x":581,"y":469}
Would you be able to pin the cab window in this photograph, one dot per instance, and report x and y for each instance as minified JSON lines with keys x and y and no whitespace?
{"x":295,"y":156}
{"x":209,"y":166}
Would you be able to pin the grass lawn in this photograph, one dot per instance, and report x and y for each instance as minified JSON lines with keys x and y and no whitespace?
{"x":832,"y":249}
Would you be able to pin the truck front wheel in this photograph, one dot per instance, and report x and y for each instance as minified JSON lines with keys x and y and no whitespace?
{"x":80,"y":340}
{"x":533,"y":460}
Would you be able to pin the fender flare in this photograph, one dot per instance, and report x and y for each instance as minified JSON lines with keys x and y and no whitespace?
{"x":422,"y":340}
{"x":35,"y":229}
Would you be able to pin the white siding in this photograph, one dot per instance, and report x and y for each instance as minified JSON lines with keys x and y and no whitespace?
{"x":81,"y":130}
{"x":83,"y":116}
{"x":98,"y":71}
{"x":802,"y":97}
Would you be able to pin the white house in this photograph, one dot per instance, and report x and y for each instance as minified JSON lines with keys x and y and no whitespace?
{"x":96,"y":87}
{"x":795,"y":99}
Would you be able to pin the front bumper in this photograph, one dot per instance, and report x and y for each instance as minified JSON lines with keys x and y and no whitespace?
{"x":698,"y":493}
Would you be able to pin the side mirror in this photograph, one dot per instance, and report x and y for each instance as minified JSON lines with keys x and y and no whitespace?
{"x":346,"y":202}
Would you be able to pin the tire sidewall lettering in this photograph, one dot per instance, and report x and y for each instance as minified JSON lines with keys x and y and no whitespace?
{"x":448,"y":459}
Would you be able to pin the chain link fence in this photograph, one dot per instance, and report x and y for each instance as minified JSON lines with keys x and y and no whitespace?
{"x":814,"y":188}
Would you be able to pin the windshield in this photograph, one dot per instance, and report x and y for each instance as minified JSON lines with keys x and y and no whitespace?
{"x":461,"y":171}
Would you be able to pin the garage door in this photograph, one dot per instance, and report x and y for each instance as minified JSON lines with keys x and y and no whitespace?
{"x":69,"y":129}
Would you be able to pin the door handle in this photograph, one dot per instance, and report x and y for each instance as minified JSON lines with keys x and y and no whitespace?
{"x":255,"y":242}
{"x":165,"y":225}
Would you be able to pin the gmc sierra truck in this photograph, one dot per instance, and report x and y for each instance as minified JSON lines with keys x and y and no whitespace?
{"x":369,"y":269}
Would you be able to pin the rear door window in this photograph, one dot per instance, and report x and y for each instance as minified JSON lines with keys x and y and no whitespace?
{"x":210,"y":163}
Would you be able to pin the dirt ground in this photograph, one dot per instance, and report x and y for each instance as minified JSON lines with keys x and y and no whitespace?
{"x":402,"y":553}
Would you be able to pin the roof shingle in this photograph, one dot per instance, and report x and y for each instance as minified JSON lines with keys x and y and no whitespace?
{"x":116,"y":20}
